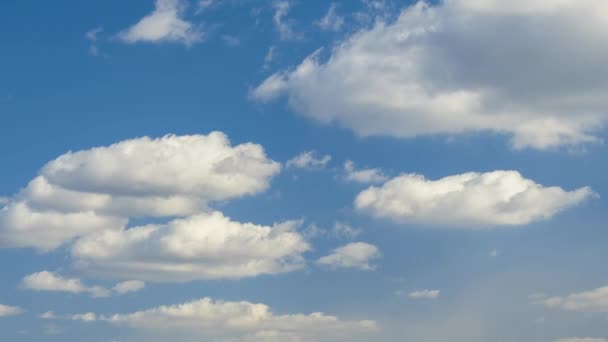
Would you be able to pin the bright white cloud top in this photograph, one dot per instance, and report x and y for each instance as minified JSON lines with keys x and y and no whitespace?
{"x":358,"y":255}
{"x":593,"y":301}
{"x":219,"y":319}
{"x":471,"y":199}
{"x":309,"y":160}
{"x":50,"y":281}
{"x":101,"y":188}
{"x":164,"y":24}
{"x":204,"y":246}
{"x":464,"y":66}
{"x":8,"y":310}
{"x":424,"y":294}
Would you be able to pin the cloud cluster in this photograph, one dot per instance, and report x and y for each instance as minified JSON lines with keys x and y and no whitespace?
{"x":50,"y":281}
{"x":424,"y":294}
{"x":472,"y":199}
{"x":204,"y":246}
{"x":164,"y":24}
{"x":101,"y":188}
{"x":363,"y":175}
{"x":463,"y":66}
{"x":219,"y":319}
{"x":358,"y":255}
{"x":309,"y":160}
{"x":7,"y":310}
{"x":593,"y":301}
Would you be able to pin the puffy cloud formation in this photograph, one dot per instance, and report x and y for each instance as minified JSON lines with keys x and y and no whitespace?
{"x":239,"y":320}
{"x":7,"y":310}
{"x":50,"y":281}
{"x":474,"y":199}
{"x":357,"y":255}
{"x":204,"y":246}
{"x":424,"y":294}
{"x":309,"y":160}
{"x":129,"y":286}
{"x":594,"y":301}
{"x":363,"y":175}
{"x":99,"y":189}
{"x":464,"y":66}
{"x":164,"y":24}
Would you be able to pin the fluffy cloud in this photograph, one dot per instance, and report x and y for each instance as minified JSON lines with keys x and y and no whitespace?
{"x":204,"y":246}
{"x":86,"y":317}
{"x":164,"y":24}
{"x":363,"y":175}
{"x":464,"y":66}
{"x":49,"y":281}
{"x":309,"y":160}
{"x":424,"y":294}
{"x":492,"y":198}
{"x":594,"y":301}
{"x":237,"y":320}
{"x":129,"y":286}
{"x":99,"y":189}
{"x":357,"y":255}
{"x":7,"y":310}
{"x":284,"y":26}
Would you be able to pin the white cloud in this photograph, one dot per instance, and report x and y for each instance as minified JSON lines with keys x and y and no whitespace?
{"x":49,"y":281}
{"x":357,"y":255}
{"x":309,"y":160}
{"x":204,"y":246}
{"x":339,"y":230}
{"x":92,"y":37}
{"x":164,"y":24}
{"x":238,"y":320}
{"x":424,"y":294}
{"x":86,"y":317}
{"x":331,"y":21}
{"x":129,"y":286}
{"x":48,"y":315}
{"x":270,"y":57}
{"x":7,"y":310}
{"x":594,"y":301}
{"x":282,"y":25}
{"x":363,"y":175}
{"x":471,"y":199}
{"x":22,"y":226}
{"x":99,"y":189}
{"x":464,"y":66}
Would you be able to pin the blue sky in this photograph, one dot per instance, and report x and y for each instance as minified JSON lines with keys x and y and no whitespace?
{"x":228,"y":170}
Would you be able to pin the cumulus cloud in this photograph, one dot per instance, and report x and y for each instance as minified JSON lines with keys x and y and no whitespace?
{"x":463,"y":66}
{"x":331,"y":21}
{"x":472,"y":199}
{"x":49,"y":281}
{"x":359,"y":255}
{"x":309,"y":160}
{"x":219,"y":319}
{"x":204,"y":246}
{"x":363,"y":175}
{"x":594,"y":301}
{"x":7,"y":310}
{"x":424,"y":294}
{"x":101,"y":188}
{"x":164,"y":24}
